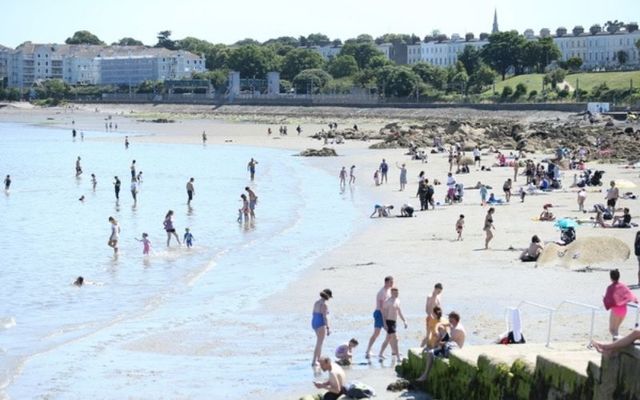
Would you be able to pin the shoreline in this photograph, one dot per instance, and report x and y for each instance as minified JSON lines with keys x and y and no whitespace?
{"x":419,"y":252}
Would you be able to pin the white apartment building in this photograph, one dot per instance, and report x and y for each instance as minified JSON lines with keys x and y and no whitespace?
{"x":5,"y":52}
{"x":85,"y":64}
{"x":600,"y":50}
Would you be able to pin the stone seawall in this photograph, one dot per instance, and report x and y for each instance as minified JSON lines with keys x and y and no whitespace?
{"x":528,"y":372}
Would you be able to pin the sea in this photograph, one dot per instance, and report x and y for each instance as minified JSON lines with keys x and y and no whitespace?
{"x":178,"y":323}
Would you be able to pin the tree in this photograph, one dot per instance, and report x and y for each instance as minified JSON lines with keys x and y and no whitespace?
{"x":54,"y":89}
{"x":622,"y":57}
{"x":362,"y":52}
{"x":631,"y":27}
{"x":219,"y":78}
{"x":84,"y":37}
{"x":431,"y":75}
{"x":217,"y":57}
{"x":595,"y":29}
{"x":555,"y":77}
{"x":548,"y":52}
{"x":378,"y":61}
{"x":482,"y":78}
{"x":561,"y":31}
{"x":194,"y":45}
{"x":284,"y":41}
{"x":521,"y":90}
{"x":578,"y":30}
{"x":470,"y":58}
{"x":394,"y":38}
{"x":336,"y":43}
{"x":484,"y":36}
{"x":364,"y":38}
{"x":503,"y":51}
{"x":253,"y":60}
{"x":574,"y":63}
{"x":318,"y":39}
{"x":247,"y":42}
{"x":128,"y":41}
{"x":165,"y":41}
{"x":298,"y":60}
{"x":311,"y":81}
{"x":342,"y":66}
{"x":397,"y":81}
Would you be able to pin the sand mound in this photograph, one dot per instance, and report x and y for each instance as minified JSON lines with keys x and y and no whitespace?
{"x":585,"y":252}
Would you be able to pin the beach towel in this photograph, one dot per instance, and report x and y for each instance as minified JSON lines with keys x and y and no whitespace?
{"x":618,"y":294}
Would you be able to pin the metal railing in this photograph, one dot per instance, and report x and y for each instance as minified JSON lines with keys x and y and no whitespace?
{"x":551,"y":311}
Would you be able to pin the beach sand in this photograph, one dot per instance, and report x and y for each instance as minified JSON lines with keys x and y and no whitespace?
{"x":418,"y":252}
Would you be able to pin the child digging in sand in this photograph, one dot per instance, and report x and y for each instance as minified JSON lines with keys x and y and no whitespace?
{"x":460,"y":226}
{"x":344,"y":352}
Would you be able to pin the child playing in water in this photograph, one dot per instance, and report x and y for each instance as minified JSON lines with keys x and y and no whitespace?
{"x":344,"y":352}
{"x":188,"y":238}
{"x":460,"y":226}
{"x":146,"y":243}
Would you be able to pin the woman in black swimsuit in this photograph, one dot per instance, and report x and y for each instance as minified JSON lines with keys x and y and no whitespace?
{"x":488,"y":226}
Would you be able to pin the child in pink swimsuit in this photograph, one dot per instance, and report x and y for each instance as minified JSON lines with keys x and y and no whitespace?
{"x":146,"y":244}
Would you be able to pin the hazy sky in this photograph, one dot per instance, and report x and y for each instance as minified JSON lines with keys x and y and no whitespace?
{"x":229,"y":21}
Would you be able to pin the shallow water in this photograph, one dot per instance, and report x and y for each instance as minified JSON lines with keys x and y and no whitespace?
{"x":180,"y":322}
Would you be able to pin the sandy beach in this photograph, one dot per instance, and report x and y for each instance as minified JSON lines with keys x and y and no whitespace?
{"x":419,"y":252}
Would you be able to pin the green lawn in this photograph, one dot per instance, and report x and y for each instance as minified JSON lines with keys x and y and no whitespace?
{"x":615,"y":80}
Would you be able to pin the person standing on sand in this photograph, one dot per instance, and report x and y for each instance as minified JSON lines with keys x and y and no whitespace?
{"x":336,"y":384}
{"x":433,"y":301}
{"x":488,"y":226}
{"x":116,"y":187}
{"x":384,"y":168}
{"x":460,"y":227}
{"x":391,"y":311}
{"x":483,"y":195}
{"x":352,"y":175}
{"x":616,"y":299}
{"x":253,"y":201}
{"x":320,"y":323}
{"x":115,"y":235}
{"x":403,"y":176}
{"x":7,"y":182}
{"x":378,"y":323}
{"x":507,"y":189}
{"x":612,"y":197}
{"x":169,"y":228}
{"x":190,"y":191}
{"x":582,"y":196}
{"x":251,"y":167}
{"x":476,"y":156}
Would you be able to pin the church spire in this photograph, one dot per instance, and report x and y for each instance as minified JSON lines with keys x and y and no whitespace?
{"x":495,"y":22}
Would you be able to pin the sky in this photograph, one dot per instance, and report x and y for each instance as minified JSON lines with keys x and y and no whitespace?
{"x":46,"y":21}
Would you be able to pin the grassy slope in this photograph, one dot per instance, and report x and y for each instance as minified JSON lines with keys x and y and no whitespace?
{"x":615,"y":80}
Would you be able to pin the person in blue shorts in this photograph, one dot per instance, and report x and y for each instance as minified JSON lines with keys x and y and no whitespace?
{"x":188,"y":237}
{"x":378,"y":323}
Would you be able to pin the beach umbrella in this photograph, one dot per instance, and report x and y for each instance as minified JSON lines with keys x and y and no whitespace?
{"x":625,"y":184}
{"x":566,"y":223}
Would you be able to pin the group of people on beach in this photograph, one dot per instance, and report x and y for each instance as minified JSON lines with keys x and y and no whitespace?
{"x":442,"y":337}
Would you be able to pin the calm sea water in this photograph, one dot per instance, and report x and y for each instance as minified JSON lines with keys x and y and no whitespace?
{"x":179,"y":323}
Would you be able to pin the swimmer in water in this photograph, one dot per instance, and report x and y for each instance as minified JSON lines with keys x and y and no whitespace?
{"x":79,"y":281}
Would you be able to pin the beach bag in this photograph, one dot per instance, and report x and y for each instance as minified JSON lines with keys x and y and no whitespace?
{"x":358,"y":390}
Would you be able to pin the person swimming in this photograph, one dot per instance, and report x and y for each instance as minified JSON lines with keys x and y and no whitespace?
{"x":79,"y":281}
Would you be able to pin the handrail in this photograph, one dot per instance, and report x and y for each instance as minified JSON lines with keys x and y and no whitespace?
{"x":589,"y":306}
{"x":549,"y":309}
{"x":637,"y":307}
{"x":553,"y":310}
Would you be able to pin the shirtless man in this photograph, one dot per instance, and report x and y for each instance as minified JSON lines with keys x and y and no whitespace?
{"x":457,"y":336}
{"x":251,"y":167}
{"x":336,"y":384}
{"x":390,"y":312}
{"x":378,"y":322}
{"x":78,"y":168}
{"x":253,"y":200}
{"x":190,"y":191}
{"x":432,"y":301}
